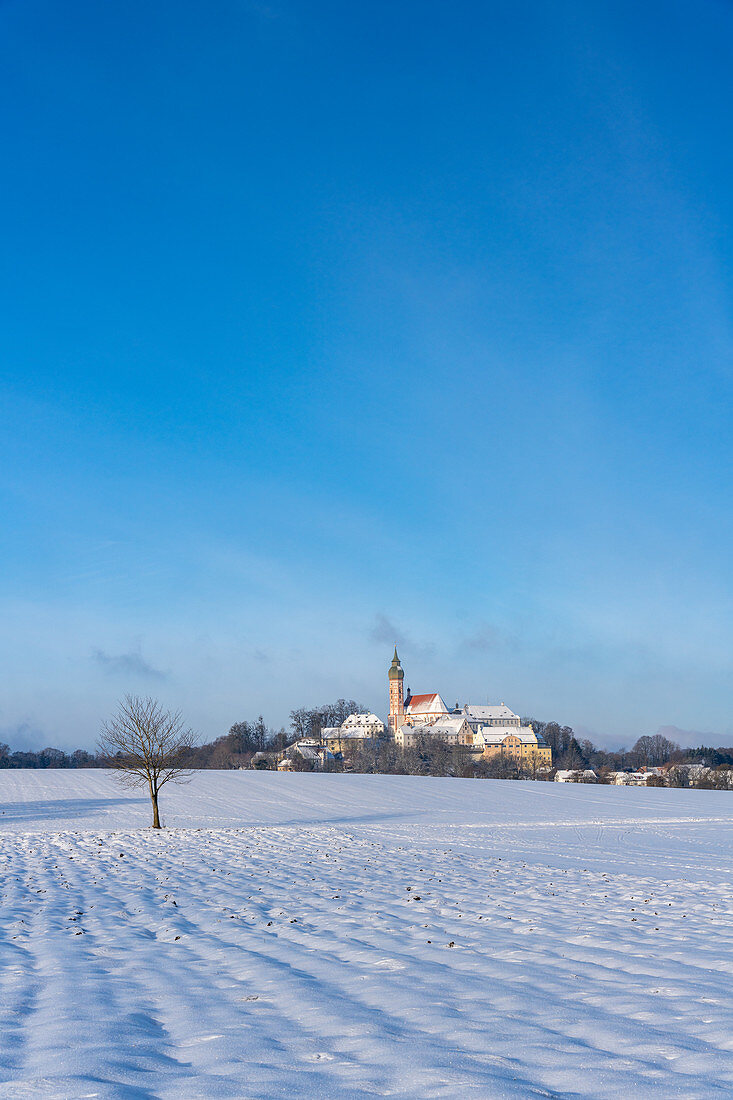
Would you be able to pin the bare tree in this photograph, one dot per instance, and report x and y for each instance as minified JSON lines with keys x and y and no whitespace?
{"x":654,"y":749}
{"x":149,"y":746}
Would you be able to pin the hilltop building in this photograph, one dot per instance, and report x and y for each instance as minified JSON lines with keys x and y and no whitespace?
{"x":500,"y":715}
{"x":355,"y":730}
{"x":489,"y":731}
{"x":521,"y":745}
{"x":369,"y":724}
{"x":396,"y":678}
{"x":308,"y":750}
{"x":453,"y":730}
{"x":424,"y":709}
{"x":412,"y":709}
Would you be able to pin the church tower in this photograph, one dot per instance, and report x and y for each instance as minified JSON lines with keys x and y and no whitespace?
{"x":396,"y":694}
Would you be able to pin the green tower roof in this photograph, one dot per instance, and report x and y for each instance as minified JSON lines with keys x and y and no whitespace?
{"x":395,"y":669}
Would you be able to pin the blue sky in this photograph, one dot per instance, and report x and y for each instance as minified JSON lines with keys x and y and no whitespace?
{"x":326,"y":325}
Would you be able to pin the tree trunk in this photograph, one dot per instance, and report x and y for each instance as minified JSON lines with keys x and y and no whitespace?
{"x":154,"y":800}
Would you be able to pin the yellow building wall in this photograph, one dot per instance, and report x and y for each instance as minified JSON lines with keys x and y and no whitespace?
{"x":513,"y":749}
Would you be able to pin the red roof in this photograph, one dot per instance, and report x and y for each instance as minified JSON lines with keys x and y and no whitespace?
{"x":426,"y":704}
{"x":417,"y":699}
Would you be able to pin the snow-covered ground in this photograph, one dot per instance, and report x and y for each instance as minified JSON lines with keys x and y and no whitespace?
{"x":343,"y":936}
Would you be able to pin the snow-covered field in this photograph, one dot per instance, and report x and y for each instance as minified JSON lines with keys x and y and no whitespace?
{"x":343,"y":936}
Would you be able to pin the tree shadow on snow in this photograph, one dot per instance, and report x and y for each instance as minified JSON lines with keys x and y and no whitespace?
{"x":62,"y":807}
{"x":344,"y":818}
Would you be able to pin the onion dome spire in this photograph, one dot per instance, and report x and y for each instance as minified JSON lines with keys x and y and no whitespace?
{"x":395,"y":669}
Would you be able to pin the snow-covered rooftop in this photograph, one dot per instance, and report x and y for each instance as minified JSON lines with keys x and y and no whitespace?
{"x":355,"y":721}
{"x":493,"y":735}
{"x":338,"y":733}
{"x":448,"y":725}
{"x":426,"y":704}
{"x":496,"y":711}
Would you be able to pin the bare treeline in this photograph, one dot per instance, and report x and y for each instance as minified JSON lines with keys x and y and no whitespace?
{"x":570,"y":753}
{"x":237,"y":747}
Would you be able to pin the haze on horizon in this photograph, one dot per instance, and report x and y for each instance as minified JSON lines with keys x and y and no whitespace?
{"x":327,"y":327}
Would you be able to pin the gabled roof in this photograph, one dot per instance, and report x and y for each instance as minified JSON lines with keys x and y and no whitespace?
{"x":307,"y":753}
{"x":354,"y":721}
{"x":484,"y":714}
{"x":450,"y":725}
{"x":494,"y":735}
{"x":435,"y":729}
{"x":426,"y":704}
{"x":337,"y":733}
{"x":419,"y":730}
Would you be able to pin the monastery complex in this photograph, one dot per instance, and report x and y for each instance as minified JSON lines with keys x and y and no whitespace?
{"x":484,"y":730}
